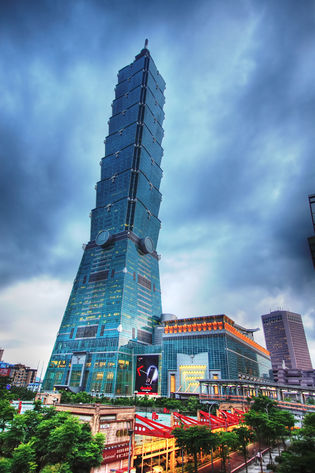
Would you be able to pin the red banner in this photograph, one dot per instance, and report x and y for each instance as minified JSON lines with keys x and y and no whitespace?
{"x":5,"y":371}
{"x":116,"y":451}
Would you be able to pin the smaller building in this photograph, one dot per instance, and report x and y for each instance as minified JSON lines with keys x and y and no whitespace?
{"x":116,"y":423}
{"x":286,"y":340}
{"x":22,"y":375}
{"x":48,"y":398}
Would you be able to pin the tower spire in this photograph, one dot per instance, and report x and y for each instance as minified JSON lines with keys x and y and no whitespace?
{"x":146,"y":43}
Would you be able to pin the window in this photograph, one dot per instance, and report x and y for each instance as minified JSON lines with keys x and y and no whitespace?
{"x":86,"y":332}
{"x":144,"y":336}
{"x":99,"y":276}
{"x":144,"y":281}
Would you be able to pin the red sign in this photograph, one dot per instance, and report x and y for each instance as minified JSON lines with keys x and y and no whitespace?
{"x":5,"y":371}
{"x":115,"y":451}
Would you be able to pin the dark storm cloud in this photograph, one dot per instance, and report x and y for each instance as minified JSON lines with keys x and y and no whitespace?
{"x":255,"y":184}
{"x":59,"y":61}
{"x":51,"y":53}
{"x":238,"y":161}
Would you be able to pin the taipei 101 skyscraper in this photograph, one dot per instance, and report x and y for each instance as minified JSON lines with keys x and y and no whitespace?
{"x":116,"y":294}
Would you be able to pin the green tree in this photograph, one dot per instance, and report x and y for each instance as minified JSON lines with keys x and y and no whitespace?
{"x":13,"y":436}
{"x":308,"y":429}
{"x":188,"y":406}
{"x":299,"y":458}
{"x":227,"y":441}
{"x":244,"y":436}
{"x":23,"y":459}
{"x":258,"y":421}
{"x":7,"y":413}
{"x":283,"y":423}
{"x":57,"y":468}
{"x":72,"y":443}
{"x":50,"y":438}
{"x":269,"y":423}
{"x":195,"y":439}
{"x":22,"y":393}
{"x":262,"y":404}
{"x":5,"y":465}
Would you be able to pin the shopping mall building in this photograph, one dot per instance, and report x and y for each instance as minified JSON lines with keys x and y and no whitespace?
{"x":189,"y":349}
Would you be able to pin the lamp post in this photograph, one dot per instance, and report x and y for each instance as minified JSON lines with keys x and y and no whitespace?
{"x":135,"y":393}
{"x":226,"y":422}
{"x":130,"y":433}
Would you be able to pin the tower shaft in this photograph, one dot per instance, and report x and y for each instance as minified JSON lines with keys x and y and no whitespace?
{"x":116,"y":293}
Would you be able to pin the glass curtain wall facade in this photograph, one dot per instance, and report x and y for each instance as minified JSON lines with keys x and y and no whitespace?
{"x":116,"y":293}
{"x":226,"y":351}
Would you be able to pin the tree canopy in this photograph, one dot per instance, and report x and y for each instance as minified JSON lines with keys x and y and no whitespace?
{"x":243,"y":436}
{"x":300,"y":456}
{"x":48,"y":441}
{"x":194,"y":440}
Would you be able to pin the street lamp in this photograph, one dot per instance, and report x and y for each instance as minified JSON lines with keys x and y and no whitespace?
{"x":130,"y":433}
{"x":225,"y":417}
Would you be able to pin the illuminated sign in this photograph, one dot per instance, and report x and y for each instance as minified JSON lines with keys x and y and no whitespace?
{"x":147,"y":374}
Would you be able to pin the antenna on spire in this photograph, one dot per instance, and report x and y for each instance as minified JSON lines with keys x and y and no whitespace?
{"x":146,"y":43}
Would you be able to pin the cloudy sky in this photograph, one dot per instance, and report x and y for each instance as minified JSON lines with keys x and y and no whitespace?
{"x":238,"y":163}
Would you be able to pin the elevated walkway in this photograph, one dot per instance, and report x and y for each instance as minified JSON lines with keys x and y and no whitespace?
{"x":235,"y":392}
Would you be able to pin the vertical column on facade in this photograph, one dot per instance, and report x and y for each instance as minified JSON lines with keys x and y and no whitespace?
{"x":172,"y":458}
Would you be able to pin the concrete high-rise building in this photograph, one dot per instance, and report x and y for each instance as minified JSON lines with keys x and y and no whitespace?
{"x":311,"y":240}
{"x":116,"y":293}
{"x":286,"y":341}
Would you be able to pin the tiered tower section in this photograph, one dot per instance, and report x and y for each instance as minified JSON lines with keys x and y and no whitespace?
{"x":116,"y":294}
